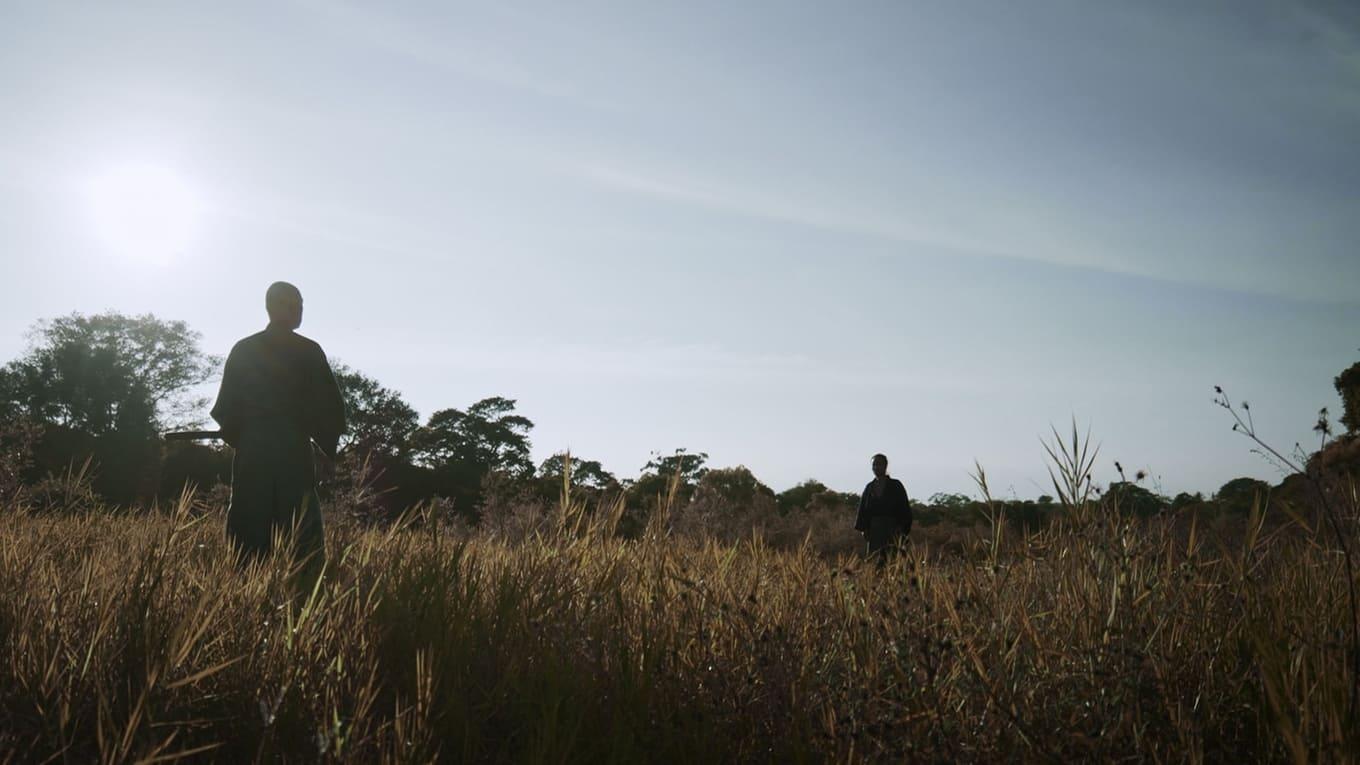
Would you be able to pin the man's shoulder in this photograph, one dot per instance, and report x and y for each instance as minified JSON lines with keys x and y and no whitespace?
{"x":271,"y":341}
{"x":308,"y":343}
{"x":293,"y":341}
{"x":248,"y":342}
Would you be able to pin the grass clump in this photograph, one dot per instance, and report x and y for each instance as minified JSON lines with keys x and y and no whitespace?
{"x":132,"y":637}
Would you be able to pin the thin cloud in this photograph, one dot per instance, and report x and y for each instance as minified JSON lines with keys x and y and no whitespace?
{"x":733,"y":200}
{"x":703,"y":362}
{"x":1044,"y":237}
{"x":465,"y":57}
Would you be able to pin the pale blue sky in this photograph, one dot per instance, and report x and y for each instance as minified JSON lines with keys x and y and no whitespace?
{"x":787,"y":234}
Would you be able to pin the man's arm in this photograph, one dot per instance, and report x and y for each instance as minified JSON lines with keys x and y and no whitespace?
{"x":905,"y":509}
{"x":329,"y":421}
{"x":862,"y":516}
{"x":226,"y":410}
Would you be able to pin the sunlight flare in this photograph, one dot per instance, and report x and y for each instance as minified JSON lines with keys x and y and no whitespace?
{"x":145,"y":212}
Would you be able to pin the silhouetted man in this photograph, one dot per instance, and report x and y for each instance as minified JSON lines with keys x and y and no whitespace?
{"x":278,"y":397}
{"x":884,"y":511}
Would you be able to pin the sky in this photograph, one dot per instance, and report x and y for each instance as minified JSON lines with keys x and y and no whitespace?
{"x":789,"y":235}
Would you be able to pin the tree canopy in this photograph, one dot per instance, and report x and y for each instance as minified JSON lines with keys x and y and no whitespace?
{"x":380,"y":421}
{"x":589,"y":474}
{"x":734,"y":486}
{"x":488,"y":434}
{"x":1348,"y":387}
{"x":660,"y":470}
{"x":108,"y":372}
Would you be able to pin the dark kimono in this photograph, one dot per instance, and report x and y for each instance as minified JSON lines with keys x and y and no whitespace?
{"x":884,"y":514}
{"x":278,"y":397}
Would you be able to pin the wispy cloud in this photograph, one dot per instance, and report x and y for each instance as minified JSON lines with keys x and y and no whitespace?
{"x":477,"y":58}
{"x":902,"y":228}
{"x":1018,"y":227}
{"x":670,"y":363}
{"x":1337,"y":30}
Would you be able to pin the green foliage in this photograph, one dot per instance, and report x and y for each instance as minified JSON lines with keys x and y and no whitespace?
{"x":379,"y":419}
{"x":1348,"y":387}
{"x":1186,"y":499}
{"x":590,"y":482}
{"x":950,"y":501}
{"x":812,"y":495}
{"x":689,"y":467}
{"x":587,"y":474}
{"x":19,"y":438}
{"x":732,"y":487}
{"x":681,"y":467}
{"x":460,"y":451}
{"x":108,"y":372}
{"x":488,"y":436}
{"x":1238,"y":494}
{"x":1129,"y":498}
{"x":102,"y":387}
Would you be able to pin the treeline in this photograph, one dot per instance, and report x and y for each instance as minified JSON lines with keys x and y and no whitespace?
{"x":83,"y":409}
{"x":1128,"y":497}
{"x":87,"y":403}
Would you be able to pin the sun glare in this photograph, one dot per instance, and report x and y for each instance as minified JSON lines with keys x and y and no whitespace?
{"x":144,"y":212}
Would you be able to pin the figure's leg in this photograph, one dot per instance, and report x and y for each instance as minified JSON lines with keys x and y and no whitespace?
{"x":877,"y":540}
{"x":309,"y":544}
{"x":883,"y":538}
{"x":248,"y":514}
{"x":298,"y":516}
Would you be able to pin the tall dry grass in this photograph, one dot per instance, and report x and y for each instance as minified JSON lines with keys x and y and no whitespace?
{"x":132,"y":638}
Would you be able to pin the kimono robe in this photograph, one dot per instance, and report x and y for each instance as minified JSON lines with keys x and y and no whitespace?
{"x":278,"y":397}
{"x":884,"y":514}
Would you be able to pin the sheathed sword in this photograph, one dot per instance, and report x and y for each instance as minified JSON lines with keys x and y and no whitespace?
{"x":216,"y":435}
{"x":193,"y":435}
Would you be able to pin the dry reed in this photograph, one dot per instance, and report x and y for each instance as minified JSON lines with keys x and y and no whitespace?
{"x":132,"y":638}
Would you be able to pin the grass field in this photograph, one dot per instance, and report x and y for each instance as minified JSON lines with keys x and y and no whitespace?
{"x":131,"y":637}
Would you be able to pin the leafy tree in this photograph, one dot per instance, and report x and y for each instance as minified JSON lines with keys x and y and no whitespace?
{"x":489,"y":436}
{"x":1348,"y":387}
{"x":589,"y":474}
{"x":1132,"y":499}
{"x":732,"y":487}
{"x":380,"y":421}
{"x":101,"y":387}
{"x":1186,"y":499}
{"x":659,"y":471}
{"x":1238,"y":494}
{"x":690,"y":467}
{"x":950,"y":501}
{"x":109,"y":372}
{"x":812,"y":494}
{"x":18,"y":440}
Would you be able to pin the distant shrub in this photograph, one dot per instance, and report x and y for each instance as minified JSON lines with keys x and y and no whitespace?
{"x":1348,"y":387}
{"x":1237,"y":495}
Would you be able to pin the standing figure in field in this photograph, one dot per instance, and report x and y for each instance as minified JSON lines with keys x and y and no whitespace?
{"x":278,"y":397}
{"x":884,"y":511}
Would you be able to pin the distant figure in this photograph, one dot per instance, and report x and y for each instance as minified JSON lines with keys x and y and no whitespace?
{"x":884,"y":511}
{"x":278,"y":397}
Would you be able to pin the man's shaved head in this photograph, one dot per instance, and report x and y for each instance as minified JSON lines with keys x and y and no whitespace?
{"x":283,"y":301}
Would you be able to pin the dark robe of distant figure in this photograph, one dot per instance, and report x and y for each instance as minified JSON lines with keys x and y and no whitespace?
{"x":278,"y":397}
{"x":884,"y":511}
